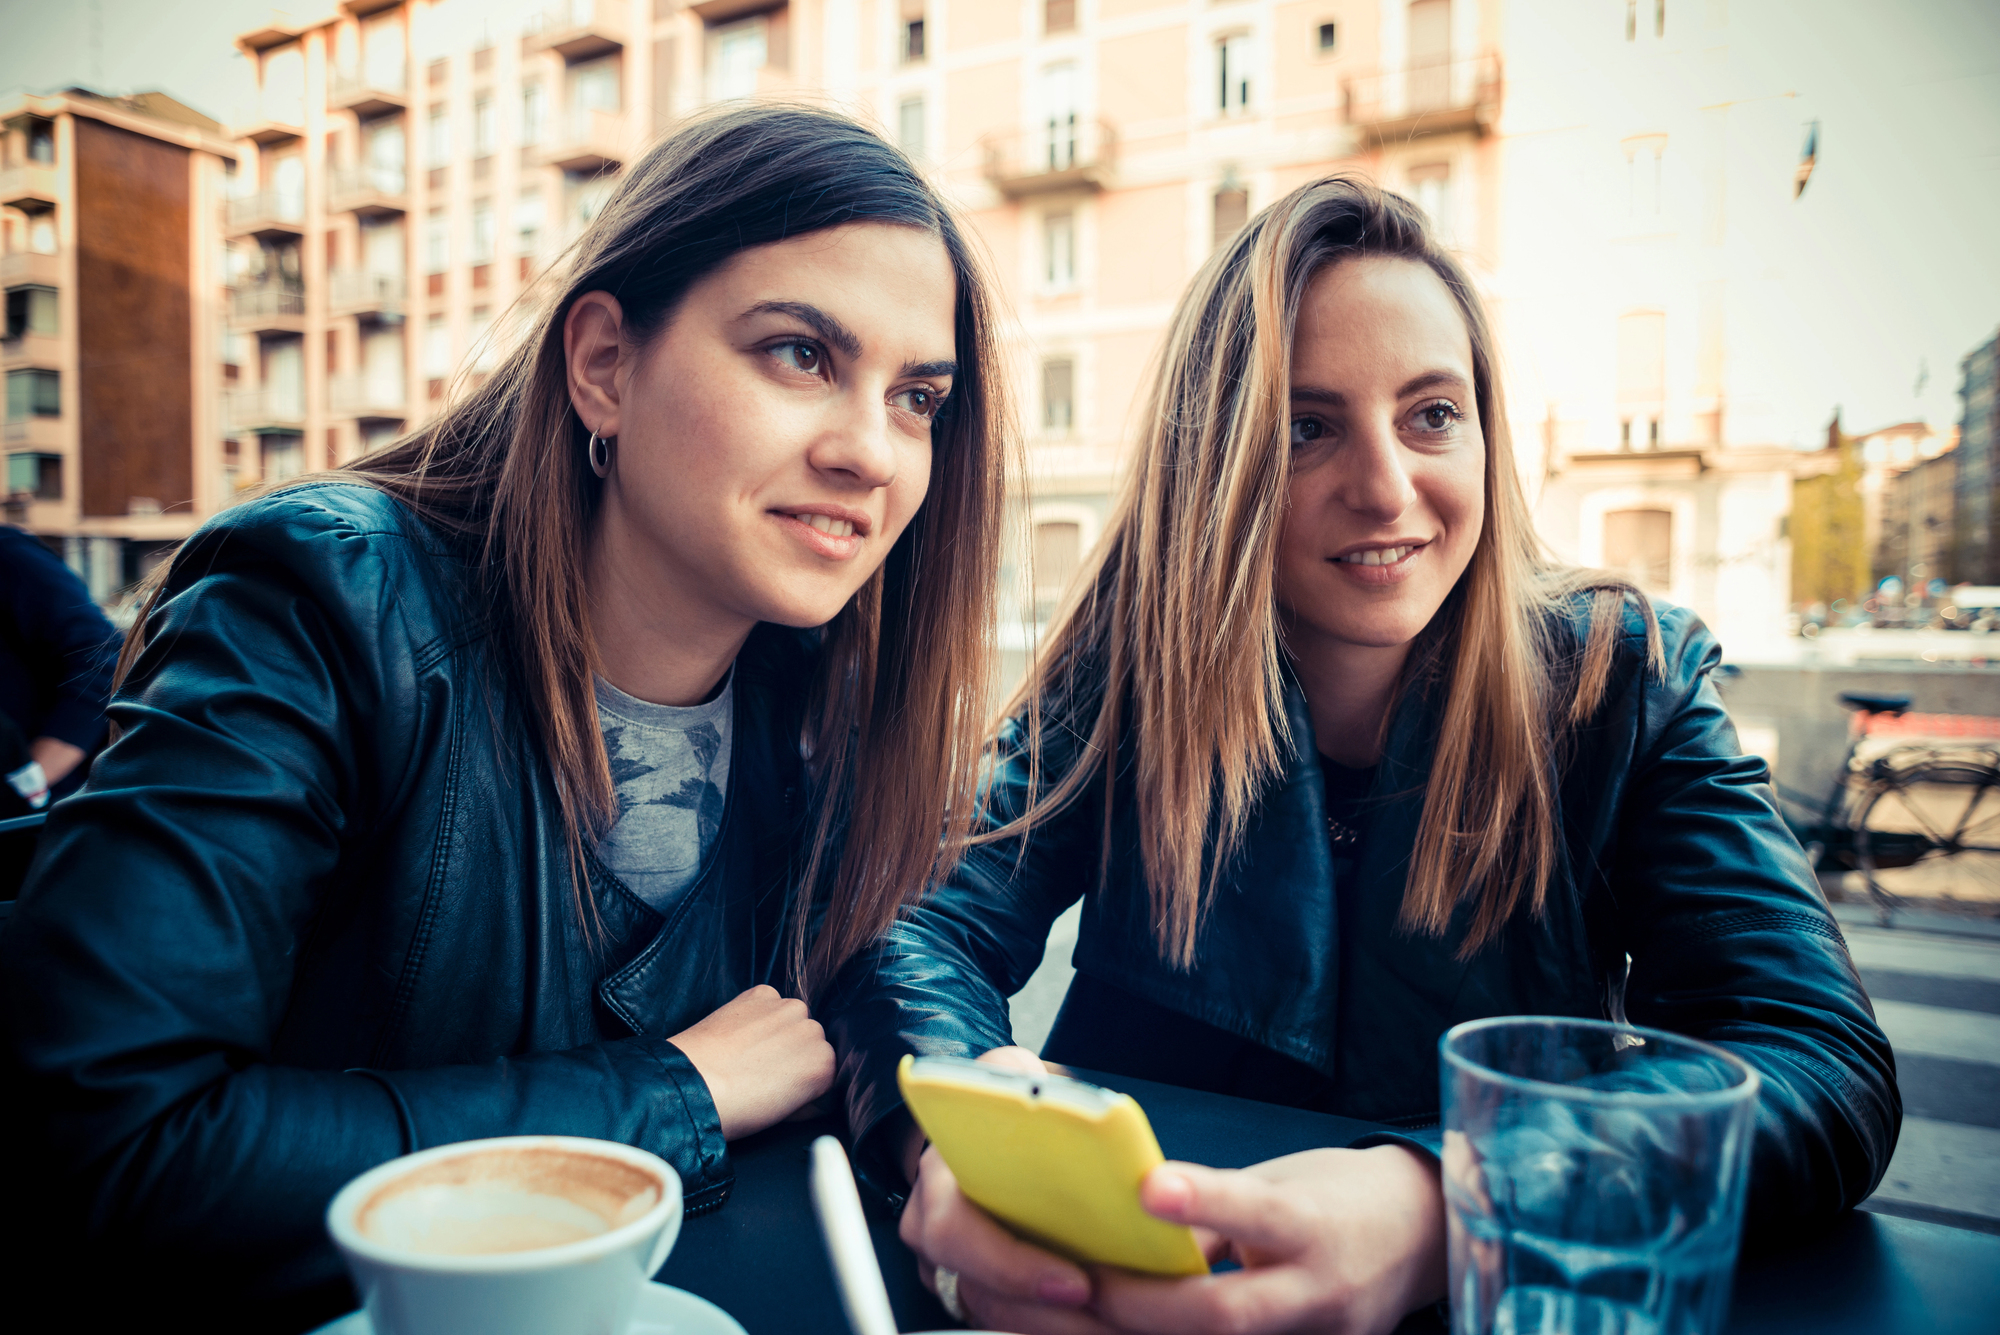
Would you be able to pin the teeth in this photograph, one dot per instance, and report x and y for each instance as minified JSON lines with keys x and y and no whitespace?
{"x":838,"y":528}
{"x":1379,"y":556}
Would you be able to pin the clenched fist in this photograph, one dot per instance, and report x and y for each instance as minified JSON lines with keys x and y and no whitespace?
{"x":763,"y":1056}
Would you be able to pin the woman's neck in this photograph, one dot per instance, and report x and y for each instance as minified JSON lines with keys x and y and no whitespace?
{"x":1348,"y":689}
{"x":654,"y":642}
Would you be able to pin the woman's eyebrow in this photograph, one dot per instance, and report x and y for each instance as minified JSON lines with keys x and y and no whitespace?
{"x":940,"y":368}
{"x":828,"y":328}
{"x":1431,"y":380}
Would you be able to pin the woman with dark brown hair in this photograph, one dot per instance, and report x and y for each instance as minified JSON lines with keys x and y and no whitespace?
{"x":1336,"y":758}
{"x":497,"y":783}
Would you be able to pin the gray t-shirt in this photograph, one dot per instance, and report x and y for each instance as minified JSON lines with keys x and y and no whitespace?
{"x":669,"y":770}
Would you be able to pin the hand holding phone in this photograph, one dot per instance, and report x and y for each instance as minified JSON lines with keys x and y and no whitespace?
{"x":1058,"y":1161}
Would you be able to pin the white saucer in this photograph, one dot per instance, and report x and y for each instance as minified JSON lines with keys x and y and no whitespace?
{"x":661,"y":1310}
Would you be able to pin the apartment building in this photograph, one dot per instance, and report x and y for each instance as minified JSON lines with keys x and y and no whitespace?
{"x":415,"y":163}
{"x":1976,"y":539}
{"x":111,"y":348}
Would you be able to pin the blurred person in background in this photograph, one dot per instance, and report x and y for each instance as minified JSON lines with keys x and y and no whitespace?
{"x":1335,"y":759}
{"x":497,"y":783}
{"x":57,"y":656}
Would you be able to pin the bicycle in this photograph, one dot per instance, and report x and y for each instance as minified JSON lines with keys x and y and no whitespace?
{"x":1909,"y":817}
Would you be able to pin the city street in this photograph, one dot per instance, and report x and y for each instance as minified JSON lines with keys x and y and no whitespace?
{"x":1937,"y":995}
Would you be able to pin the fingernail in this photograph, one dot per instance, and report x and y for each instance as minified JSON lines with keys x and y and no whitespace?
{"x":1065,"y":1289}
{"x":1169,"y":1193}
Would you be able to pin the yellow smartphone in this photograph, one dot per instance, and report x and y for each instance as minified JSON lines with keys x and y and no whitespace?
{"x":1056,"y":1160}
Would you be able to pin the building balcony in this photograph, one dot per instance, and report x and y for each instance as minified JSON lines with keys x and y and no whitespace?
{"x":586,"y":141}
{"x":1066,"y":154}
{"x":368,"y":398}
{"x":45,"y":435}
{"x":267,"y":215}
{"x":372,"y":296}
{"x":29,"y":187}
{"x":576,"y":29}
{"x":24,"y":267}
{"x":275,"y":127}
{"x":268,"y":308}
{"x":369,"y":93}
{"x":263,"y":410}
{"x":30,"y":350}
{"x":1444,"y":97}
{"x":369,"y":190}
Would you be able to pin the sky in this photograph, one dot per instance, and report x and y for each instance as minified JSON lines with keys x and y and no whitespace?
{"x":1895,"y":266}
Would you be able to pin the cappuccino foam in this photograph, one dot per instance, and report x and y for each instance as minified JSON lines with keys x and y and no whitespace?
{"x":506,"y":1200}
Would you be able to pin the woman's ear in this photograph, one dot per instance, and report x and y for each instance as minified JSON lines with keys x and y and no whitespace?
{"x":593,"y":350}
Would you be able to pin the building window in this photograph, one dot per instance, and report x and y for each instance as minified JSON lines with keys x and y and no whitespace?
{"x":1624,"y":433}
{"x":437,"y":243}
{"x":284,"y":456}
{"x":1232,"y":210}
{"x":1057,"y":92}
{"x":437,"y":348}
{"x":1058,"y":15}
{"x":1059,"y":249}
{"x":31,"y":310}
{"x":485,"y":127}
{"x":1058,"y":395}
{"x":1639,"y":544}
{"x":482,"y":231}
{"x":530,"y":216}
{"x":1642,"y":361}
{"x":38,"y":474}
{"x":910,"y":38}
{"x":332,"y":351}
{"x":534,"y":112}
{"x":437,"y":136}
{"x":1232,"y":69}
{"x":34,"y":392}
{"x":1645,"y":168}
{"x":1659,"y":18}
{"x":41,"y":141}
{"x":1058,"y":555}
{"x":439,"y":69}
{"x":736,"y":52}
{"x":1430,"y":190}
{"x":485,"y":353}
{"x":1329,"y":38}
{"x":910,"y":126}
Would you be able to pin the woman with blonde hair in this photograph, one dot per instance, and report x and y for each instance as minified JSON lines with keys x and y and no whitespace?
{"x":497,"y":783}
{"x":1335,"y":758}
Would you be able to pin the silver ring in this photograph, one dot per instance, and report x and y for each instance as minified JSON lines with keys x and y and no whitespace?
{"x":946,"y":1283}
{"x":599,"y":464}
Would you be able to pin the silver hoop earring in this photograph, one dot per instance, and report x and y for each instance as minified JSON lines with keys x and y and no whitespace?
{"x":600,"y":458}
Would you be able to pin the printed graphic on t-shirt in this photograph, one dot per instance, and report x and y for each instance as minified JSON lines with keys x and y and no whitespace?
{"x":669,"y":772}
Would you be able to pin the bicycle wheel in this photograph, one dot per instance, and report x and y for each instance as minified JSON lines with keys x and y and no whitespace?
{"x":1931,"y":831}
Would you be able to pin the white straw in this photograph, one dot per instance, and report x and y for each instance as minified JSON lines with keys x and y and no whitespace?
{"x":848,"y":1245}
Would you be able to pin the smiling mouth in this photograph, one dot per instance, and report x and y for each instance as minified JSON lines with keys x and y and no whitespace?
{"x":827,"y":524}
{"x":1382,"y":556}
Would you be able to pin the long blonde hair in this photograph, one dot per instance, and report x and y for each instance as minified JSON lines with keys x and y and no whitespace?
{"x":1171,"y":640}
{"x":899,"y":703}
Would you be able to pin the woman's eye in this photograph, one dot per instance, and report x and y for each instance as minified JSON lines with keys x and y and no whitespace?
{"x":920,"y":400}
{"x":1307,"y":430}
{"x":1439,"y":417}
{"x":804,"y":357}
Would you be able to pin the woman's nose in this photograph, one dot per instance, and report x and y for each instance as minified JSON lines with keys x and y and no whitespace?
{"x":1375,"y":477}
{"x":856,"y":445}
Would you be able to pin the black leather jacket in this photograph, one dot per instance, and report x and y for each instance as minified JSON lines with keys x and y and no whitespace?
{"x":1672,"y":851}
{"x":313,"y":910}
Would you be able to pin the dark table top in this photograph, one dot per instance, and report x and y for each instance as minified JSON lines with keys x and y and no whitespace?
{"x":760,"y":1257}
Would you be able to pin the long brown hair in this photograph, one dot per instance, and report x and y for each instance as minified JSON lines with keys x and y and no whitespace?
{"x":897,"y":711}
{"x":1171,"y":641}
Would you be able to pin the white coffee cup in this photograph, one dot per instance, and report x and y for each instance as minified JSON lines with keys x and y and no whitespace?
{"x":520,"y":1235}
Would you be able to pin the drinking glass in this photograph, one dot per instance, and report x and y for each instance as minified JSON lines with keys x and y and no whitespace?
{"x":1594,"y":1177}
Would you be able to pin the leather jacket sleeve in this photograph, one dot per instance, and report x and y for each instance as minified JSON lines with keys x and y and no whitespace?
{"x":149,"y":963}
{"x":1730,"y":942}
{"x":937,"y":984}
